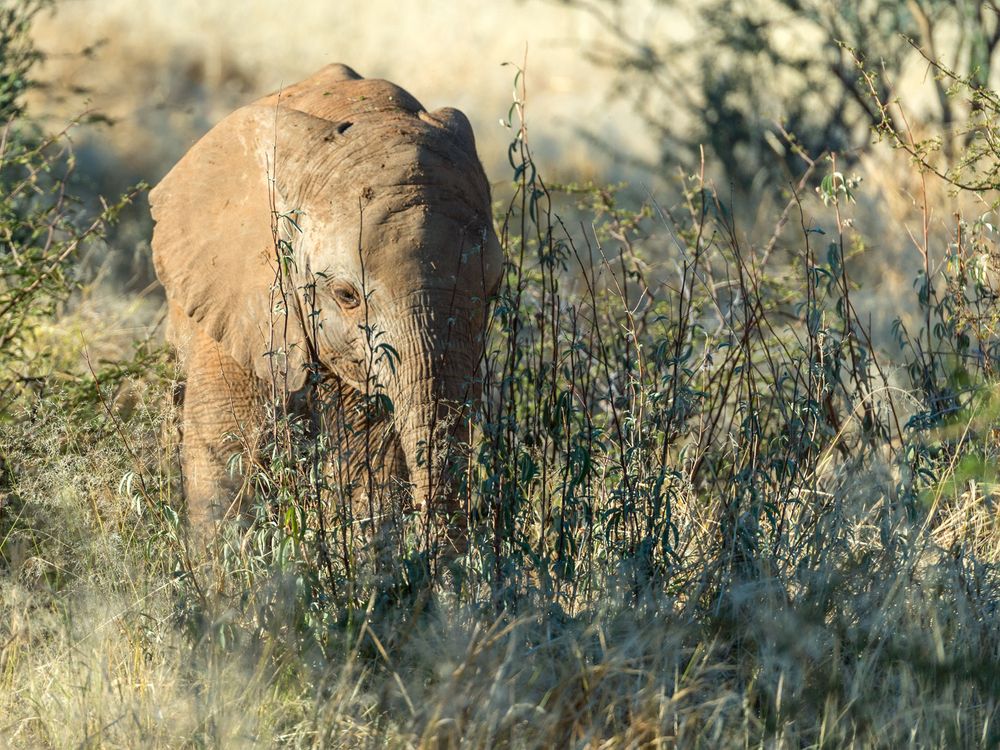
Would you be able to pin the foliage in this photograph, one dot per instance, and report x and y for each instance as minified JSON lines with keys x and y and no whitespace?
{"x":17,"y":54}
{"x":42,"y":226}
{"x":747,"y":71}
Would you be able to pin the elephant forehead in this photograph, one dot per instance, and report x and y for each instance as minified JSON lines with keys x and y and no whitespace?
{"x":414,"y":233}
{"x":389,"y":157}
{"x":409,"y":207}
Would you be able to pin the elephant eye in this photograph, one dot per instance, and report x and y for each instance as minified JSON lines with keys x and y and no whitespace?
{"x":347,"y":297}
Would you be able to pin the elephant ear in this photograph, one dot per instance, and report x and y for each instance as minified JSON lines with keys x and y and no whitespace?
{"x":457,"y":124}
{"x":218,"y":219}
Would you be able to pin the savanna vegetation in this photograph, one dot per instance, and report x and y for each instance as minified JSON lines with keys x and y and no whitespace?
{"x":711,"y":504}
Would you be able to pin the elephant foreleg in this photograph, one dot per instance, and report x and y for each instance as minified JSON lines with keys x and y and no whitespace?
{"x":222,"y":418}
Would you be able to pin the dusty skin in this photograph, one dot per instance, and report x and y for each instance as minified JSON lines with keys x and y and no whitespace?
{"x":382,"y":211}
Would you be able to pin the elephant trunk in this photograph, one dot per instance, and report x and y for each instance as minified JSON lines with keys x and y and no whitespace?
{"x":434,"y":382}
{"x":434,"y":434}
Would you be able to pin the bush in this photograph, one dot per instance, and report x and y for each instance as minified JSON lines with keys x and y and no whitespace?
{"x":43,"y":226}
{"x":731,"y":77}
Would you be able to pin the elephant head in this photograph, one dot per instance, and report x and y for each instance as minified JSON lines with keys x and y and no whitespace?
{"x":330,"y":219}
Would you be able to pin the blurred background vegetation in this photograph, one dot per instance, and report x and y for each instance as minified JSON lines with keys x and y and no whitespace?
{"x":632,"y":90}
{"x":746,"y":73}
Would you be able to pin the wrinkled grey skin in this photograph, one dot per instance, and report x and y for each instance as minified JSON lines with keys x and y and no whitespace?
{"x":396,"y":237}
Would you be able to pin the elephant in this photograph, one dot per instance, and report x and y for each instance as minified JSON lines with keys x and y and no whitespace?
{"x":302,"y":227}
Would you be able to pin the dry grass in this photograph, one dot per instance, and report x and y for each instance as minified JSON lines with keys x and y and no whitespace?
{"x":870,"y":630}
{"x":93,"y":657}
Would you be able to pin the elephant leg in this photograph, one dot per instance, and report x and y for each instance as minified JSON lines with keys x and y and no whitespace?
{"x":222,"y":416}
